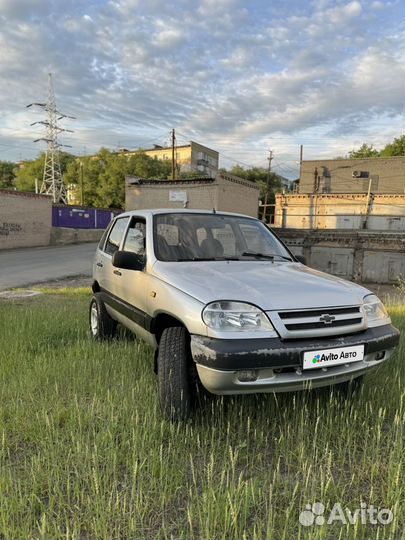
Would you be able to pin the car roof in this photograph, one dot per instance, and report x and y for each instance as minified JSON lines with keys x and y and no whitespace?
{"x":155,"y":211}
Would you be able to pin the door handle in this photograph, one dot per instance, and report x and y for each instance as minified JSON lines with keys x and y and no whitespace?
{"x":117,"y":273}
{"x":100,"y":264}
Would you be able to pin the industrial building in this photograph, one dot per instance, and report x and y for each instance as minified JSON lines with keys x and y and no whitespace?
{"x":348,"y":217}
{"x":377,"y":174}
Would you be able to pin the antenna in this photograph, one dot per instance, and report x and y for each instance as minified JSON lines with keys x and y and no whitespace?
{"x":52,"y":180}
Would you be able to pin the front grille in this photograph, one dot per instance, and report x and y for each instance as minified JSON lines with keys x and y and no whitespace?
{"x":318,"y":312}
{"x":308,"y":326}
{"x":324,"y":320}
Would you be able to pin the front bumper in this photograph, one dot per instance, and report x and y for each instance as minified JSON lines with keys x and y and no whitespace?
{"x":278,"y":363}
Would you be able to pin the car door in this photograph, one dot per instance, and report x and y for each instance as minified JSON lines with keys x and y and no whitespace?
{"x":107,"y":278}
{"x":131,"y":285}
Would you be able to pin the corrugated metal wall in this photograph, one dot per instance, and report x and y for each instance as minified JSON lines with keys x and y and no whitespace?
{"x":77,"y":217}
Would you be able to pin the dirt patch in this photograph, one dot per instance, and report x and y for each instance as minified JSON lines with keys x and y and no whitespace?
{"x":18,"y":293}
{"x":70,"y":282}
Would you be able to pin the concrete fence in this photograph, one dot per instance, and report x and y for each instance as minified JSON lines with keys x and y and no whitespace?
{"x":25,"y":219}
{"x":67,"y":235}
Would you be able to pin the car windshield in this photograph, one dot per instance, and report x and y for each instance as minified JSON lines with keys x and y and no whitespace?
{"x":211,"y":237}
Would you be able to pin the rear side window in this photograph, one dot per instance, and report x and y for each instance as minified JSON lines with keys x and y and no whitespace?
{"x":115,"y":236}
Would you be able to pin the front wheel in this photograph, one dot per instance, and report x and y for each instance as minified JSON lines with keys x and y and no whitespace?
{"x":102,"y":326}
{"x":172,"y":363}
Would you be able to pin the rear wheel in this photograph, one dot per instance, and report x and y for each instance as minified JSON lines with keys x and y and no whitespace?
{"x":173,"y":373}
{"x":102,"y":326}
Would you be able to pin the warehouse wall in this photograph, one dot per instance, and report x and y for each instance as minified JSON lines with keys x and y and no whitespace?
{"x":237,"y":195}
{"x":363,"y":256}
{"x":341,"y":211}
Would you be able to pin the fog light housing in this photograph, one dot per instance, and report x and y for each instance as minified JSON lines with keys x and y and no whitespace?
{"x":379,"y":355}
{"x":248,"y":375}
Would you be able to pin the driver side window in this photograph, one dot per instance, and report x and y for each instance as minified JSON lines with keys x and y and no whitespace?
{"x":135,"y":240}
{"x":116,"y":233}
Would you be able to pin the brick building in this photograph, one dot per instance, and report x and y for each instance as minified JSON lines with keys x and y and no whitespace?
{"x":382,"y":175}
{"x":225,"y":192}
{"x":192,"y":157}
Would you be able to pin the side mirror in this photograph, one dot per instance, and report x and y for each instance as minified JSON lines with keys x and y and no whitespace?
{"x":301,"y":259}
{"x":127,"y":260}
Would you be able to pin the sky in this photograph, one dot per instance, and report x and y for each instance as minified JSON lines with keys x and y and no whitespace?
{"x":240,"y":77}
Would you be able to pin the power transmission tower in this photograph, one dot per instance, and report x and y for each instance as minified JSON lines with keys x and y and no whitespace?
{"x":52,"y":180}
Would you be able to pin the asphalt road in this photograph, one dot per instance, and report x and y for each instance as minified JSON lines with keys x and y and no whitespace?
{"x":26,"y":266}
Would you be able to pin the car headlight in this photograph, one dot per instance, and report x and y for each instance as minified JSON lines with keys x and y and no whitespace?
{"x":375,"y":310}
{"x":231,"y":316}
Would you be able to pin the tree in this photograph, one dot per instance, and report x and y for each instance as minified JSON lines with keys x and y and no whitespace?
{"x":27,"y":173}
{"x":7,"y":175}
{"x":259,"y":176}
{"x":104,"y":176}
{"x":30,"y":170}
{"x":396,"y":148}
{"x":364,"y":151}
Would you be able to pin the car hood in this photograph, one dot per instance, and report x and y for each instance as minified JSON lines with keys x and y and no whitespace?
{"x":266,"y":284}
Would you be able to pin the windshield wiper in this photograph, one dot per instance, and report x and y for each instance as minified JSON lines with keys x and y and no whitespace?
{"x":264,"y":256}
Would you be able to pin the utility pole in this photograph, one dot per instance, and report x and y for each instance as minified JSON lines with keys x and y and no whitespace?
{"x":267,"y":186}
{"x":81,"y":185}
{"x":173,"y":154}
{"x":52,"y":180}
{"x":367,"y":207}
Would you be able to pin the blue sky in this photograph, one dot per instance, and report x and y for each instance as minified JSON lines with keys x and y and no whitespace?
{"x":240,"y":77}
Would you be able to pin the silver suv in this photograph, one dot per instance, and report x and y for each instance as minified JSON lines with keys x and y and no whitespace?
{"x":224,"y":303}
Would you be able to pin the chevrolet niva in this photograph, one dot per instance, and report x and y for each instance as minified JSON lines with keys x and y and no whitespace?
{"x":225,"y":303}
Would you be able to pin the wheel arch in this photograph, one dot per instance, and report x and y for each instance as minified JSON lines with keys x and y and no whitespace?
{"x":161,"y":322}
{"x":95,"y":286}
{"x":165,"y":320}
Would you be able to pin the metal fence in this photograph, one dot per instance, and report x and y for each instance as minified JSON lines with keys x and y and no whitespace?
{"x":79,"y":217}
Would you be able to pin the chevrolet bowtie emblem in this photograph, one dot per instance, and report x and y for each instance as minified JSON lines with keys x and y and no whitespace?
{"x":327,"y":319}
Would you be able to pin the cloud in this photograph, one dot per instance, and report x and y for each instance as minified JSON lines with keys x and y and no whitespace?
{"x":23,"y":9}
{"x":168,"y":37}
{"x":225,"y":72}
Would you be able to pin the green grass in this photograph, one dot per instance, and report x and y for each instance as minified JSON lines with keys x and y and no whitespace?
{"x":85,"y":453}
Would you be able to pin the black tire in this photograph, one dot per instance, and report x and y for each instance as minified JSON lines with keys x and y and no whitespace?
{"x":173,"y":377}
{"x":348,"y":388}
{"x":102,"y":326}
